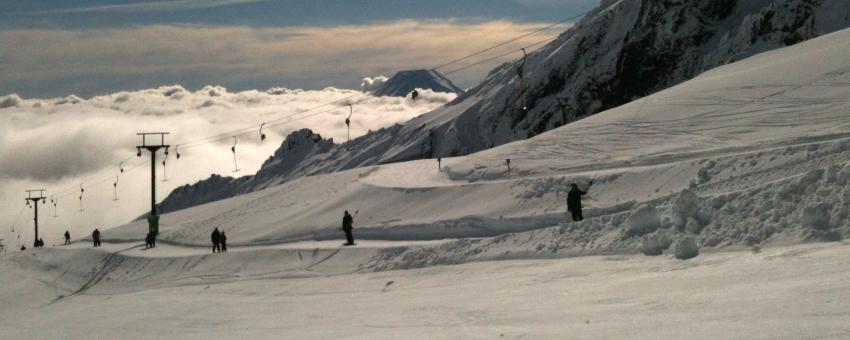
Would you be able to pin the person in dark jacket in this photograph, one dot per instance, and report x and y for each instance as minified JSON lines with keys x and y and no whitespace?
{"x":67,"y":238}
{"x":223,"y":242}
{"x":347,"y":226}
{"x":216,"y":240}
{"x":574,"y":201}
{"x":149,"y":240}
{"x":95,"y":236}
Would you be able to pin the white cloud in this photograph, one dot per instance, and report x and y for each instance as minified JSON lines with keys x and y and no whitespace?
{"x":60,"y":142}
{"x":367,"y":84}
{"x":10,"y":100}
{"x":97,"y":61}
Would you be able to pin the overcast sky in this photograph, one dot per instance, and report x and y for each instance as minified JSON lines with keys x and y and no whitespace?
{"x":55,"y":48}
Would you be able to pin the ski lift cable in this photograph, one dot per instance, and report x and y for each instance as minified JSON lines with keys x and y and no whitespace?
{"x":497,"y":57}
{"x":94,"y":182}
{"x":94,"y":177}
{"x":253,"y":128}
{"x":271,"y":123}
{"x":547,"y":27}
{"x":18,"y":218}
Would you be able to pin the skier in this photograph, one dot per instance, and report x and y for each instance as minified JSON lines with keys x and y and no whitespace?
{"x":223,"y":242}
{"x":414,"y":95}
{"x":148,"y":241}
{"x":574,"y":201}
{"x":41,"y":243}
{"x":67,"y":238}
{"x":216,"y":240}
{"x":347,"y":222}
{"x":95,"y":236}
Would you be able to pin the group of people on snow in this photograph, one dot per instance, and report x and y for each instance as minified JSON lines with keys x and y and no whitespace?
{"x":150,"y":240}
{"x":219,"y":238}
{"x":219,"y":241}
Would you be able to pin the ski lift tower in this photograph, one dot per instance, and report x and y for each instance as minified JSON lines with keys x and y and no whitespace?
{"x":34,"y":196}
{"x":149,"y":143}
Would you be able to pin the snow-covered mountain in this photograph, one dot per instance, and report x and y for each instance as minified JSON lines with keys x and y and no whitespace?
{"x":619,"y":52}
{"x":750,"y":153}
{"x":404,"y":82}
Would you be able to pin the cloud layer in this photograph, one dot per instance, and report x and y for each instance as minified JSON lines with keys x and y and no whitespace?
{"x":368,"y":84}
{"x":60,"y":62}
{"x":58,"y":143}
{"x":152,"y":6}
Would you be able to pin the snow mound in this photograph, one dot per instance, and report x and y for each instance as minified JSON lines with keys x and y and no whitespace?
{"x":815,"y":216}
{"x":642,"y":221}
{"x":685,"y":212}
{"x":686,"y":248}
{"x":655,"y":244}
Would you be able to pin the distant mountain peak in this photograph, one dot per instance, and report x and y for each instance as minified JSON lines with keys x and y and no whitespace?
{"x":404,"y":82}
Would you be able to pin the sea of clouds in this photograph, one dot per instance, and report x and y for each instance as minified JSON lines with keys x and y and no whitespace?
{"x":58,"y":143}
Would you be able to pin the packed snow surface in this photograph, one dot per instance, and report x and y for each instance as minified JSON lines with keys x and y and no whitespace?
{"x":797,"y":292}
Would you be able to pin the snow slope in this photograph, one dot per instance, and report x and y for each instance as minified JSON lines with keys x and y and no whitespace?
{"x":773,"y":126}
{"x":620,"y":52}
{"x":789,"y":292}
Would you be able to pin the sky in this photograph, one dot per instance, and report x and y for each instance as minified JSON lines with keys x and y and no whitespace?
{"x":78,"y":79}
{"x":95,"y":47}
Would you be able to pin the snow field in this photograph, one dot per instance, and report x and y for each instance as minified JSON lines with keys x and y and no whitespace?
{"x":783,"y":292}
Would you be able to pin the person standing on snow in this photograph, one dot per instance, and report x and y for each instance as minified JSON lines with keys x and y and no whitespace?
{"x":95,"y":236}
{"x":347,"y":226}
{"x":67,"y":238}
{"x":216,"y":240}
{"x":574,"y":201}
{"x":223,"y":242}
